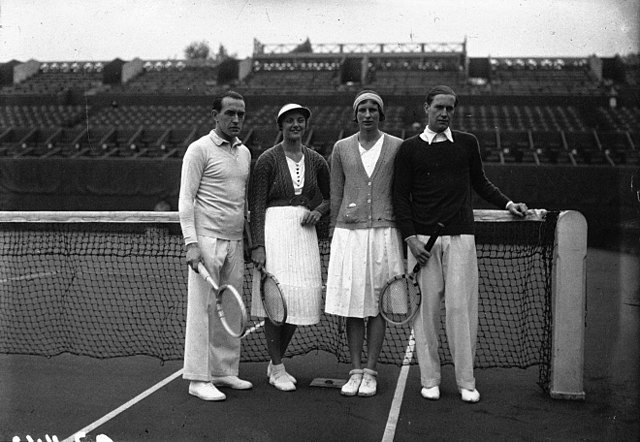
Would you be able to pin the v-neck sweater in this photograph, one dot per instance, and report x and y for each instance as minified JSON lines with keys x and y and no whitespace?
{"x":357,"y":200}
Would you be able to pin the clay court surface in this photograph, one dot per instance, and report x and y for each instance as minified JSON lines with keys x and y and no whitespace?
{"x":65,"y":394}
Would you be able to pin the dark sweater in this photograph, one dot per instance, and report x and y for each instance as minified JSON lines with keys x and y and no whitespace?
{"x":271,"y":185}
{"x":433,"y":183}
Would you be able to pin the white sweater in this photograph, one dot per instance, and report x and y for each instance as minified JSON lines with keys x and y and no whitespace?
{"x":213,"y":187}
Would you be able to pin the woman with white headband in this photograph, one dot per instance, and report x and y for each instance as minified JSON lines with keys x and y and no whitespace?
{"x":366,"y":249}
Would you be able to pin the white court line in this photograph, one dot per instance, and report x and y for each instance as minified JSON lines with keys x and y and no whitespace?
{"x":107,"y":417}
{"x":396,"y":404}
{"x":124,"y":406}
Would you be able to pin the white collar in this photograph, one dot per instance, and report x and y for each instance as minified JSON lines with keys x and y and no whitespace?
{"x":429,"y":136}
{"x":219,"y":141}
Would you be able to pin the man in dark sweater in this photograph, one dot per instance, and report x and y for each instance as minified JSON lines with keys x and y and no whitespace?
{"x":435,"y":173}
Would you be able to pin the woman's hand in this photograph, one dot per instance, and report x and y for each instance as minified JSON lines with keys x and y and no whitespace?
{"x":258,"y":257}
{"x":311,"y":218}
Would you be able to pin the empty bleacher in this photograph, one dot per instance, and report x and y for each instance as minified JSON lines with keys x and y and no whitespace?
{"x":523,"y":111}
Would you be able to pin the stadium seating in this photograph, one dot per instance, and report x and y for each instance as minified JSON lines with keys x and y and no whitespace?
{"x":530,"y":111}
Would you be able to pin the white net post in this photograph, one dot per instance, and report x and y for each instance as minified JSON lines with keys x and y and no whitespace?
{"x":568,"y":305}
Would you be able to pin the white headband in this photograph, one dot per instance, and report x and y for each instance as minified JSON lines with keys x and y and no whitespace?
{"x":368,"y":96}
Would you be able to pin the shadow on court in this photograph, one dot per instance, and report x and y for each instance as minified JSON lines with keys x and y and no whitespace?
{"x":64,"y":394}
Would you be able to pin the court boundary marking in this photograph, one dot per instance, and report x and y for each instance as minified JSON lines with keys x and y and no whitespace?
{"x":390,"y":427}
{"x":130,"y":403}
{"x":398,"y":396}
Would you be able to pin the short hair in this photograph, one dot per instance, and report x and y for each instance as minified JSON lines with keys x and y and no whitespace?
{"x":217,"y":101}
{"x":440,"y":90}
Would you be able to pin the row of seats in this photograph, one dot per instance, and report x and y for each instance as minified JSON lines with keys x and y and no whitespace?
{"x":189,"y":81}
{"x":203,"y":81}
{"x":466,"y":117}
{"x":610,"y":148}
{"x":53,"y":83}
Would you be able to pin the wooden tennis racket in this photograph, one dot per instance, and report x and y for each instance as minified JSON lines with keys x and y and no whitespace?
{"x":400,"y":297}
{"x":229,"y":305}
{"x":272,"y":297}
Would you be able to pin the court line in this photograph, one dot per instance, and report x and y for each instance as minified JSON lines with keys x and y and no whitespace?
{"x":396,"y":404}
{"x":107,"y":417}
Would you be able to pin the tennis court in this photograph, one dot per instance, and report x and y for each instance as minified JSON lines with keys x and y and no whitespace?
{"x":140,"y":398}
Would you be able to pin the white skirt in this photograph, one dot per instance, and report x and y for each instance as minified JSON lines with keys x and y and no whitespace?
{"x":361,"y":262}
{"x":293,"y":257}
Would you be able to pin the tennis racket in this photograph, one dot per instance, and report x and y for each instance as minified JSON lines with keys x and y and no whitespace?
{"x":400,"y":297}
{"x":272,"y":297}
{"x":229,"y":305}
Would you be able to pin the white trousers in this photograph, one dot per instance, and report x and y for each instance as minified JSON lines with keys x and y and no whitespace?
{"x":452,"y":273}
{"x":209,"y":350}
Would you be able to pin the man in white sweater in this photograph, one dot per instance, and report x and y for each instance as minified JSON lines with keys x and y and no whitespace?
{"x":215,"y":172}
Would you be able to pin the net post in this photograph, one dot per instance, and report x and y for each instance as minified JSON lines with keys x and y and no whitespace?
{"x":568,"y":303}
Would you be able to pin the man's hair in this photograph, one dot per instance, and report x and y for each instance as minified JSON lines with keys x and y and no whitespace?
{"x":217,"y":101}
{"x":440,"y":90}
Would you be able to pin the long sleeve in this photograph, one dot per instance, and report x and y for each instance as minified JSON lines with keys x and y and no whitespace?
{"x":323,"y":183}
{"x":337,"y":184}
{"x":191,"y":175}
{"x":481,"y":184}
{"x":261,"y":181}
{"x":401,"y":191}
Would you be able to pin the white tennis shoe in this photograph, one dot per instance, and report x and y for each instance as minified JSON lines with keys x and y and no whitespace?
{"x":353,"y":385}
{"x":470,"y":396}
{"x":433,"y":393}
{"x":270,"y":369}
{"x":205,"y":391}
{"x":232,"y":382}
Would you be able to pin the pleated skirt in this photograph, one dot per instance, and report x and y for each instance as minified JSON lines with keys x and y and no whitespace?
{"x":361,"y":262}
{"x":293,"y":257}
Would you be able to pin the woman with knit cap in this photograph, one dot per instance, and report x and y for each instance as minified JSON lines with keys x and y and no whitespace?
{"x":366,"y":248}
{"x":289,"y":194}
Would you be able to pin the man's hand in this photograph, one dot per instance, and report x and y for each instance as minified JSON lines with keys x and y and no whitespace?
{"x":194,"y":256}
{"x":517,"y":209}
{"x":417,"y":249}
{"x":258,"y":257}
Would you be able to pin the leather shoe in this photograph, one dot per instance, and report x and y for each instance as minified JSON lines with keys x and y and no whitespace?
{"x":206,"y":391}
{"x":232,"y":382}
{"x":471,"y":396}
{"x":433,"y":393}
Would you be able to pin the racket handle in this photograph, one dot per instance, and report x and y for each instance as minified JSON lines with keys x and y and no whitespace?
{"x":434,"y":237}
{"x":429,"y":245}
{"x":202,"y":270}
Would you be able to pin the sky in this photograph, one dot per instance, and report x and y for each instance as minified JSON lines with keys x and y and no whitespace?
{"x":89,"y":30}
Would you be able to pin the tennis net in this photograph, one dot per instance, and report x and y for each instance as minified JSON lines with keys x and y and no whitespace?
{"x":106,"y":285}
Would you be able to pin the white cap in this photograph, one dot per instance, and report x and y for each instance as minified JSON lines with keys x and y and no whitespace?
{"x":290,"y":107}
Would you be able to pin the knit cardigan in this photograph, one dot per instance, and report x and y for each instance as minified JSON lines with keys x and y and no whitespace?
{"x":271,"y":184}
{"x":357,"y":200}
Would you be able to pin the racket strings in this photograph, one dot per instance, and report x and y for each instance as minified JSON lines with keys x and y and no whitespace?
{"x":400,"y":299}
{"x":233,"y":313}
{"x":274,"y":304}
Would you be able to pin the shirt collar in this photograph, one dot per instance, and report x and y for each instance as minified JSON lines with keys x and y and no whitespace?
{"x":219,"y":141}
{"x":430,"y":136}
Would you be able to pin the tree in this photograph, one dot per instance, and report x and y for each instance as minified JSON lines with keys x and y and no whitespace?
{"x":197,"y":50}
